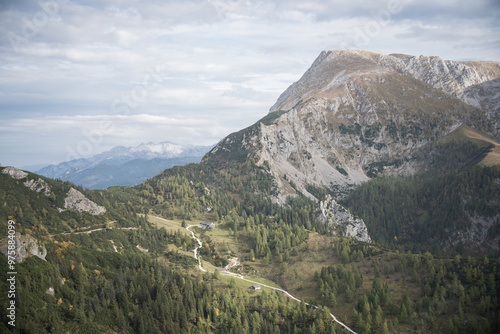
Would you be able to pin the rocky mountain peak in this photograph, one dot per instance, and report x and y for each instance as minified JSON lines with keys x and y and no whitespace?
{"x":355,"y":114}
{"x":124,"y":165}
{"x":163,"y":148}
{"x":333,"y":68}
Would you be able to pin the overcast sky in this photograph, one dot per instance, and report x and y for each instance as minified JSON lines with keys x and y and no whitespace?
{"x":78,"y":77}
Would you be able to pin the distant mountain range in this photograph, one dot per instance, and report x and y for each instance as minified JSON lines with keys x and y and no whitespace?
{"x":125,"y":166}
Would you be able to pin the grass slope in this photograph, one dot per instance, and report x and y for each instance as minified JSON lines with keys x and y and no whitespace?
{"x":466,"y":133}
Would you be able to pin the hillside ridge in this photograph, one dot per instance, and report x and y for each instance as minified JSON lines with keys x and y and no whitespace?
{"x":465,"y":80}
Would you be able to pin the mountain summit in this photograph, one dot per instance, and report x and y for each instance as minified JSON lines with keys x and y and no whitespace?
{"x":476,"y":83}
{"x":355,"y":115}
{"x":125,"y":166}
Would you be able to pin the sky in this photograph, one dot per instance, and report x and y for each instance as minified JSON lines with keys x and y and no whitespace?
{"x":78,"y":77}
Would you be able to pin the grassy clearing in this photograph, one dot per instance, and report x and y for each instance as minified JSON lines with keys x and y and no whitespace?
{"x":225,"y":243}
{"x":169,"y":225}
{"x":298,"y":279}
{"x":320,"y":252}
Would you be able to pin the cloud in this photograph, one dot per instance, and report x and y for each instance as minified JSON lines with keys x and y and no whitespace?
{"x":95,"y":134}
{"x":221,"y":62}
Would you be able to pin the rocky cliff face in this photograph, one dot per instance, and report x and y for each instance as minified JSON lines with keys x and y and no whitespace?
{"x":475,"y":83}
{"x":341,"y":221}
{"x":355,"y":115}
{"x":26,"y":246}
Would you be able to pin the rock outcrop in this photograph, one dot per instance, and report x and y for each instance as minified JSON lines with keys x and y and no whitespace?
{"x":478,"y":235}
{"x":14,"y":173}
{"x":50,"y":291}
{"x":341,"y":221}
{"x":476,"y":83}
{"x":38,"y":186}
{"x":26,"y":246}
{"x":75,"y":200}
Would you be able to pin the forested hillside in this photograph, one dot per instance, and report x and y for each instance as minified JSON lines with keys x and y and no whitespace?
{"x":102,"y":273}
{"x":374,"y":289}
{"x":454,"y":207}
{"x":126,"y":275}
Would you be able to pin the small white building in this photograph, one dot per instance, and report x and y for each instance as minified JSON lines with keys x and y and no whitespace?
{"x":255,"y":287}
{"x":207,"y":225}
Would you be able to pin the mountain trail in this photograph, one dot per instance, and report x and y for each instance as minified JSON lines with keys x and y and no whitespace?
{"x":241,"y":277}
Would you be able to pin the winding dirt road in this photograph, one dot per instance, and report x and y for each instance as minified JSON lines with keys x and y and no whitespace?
{"x":241,"y":277}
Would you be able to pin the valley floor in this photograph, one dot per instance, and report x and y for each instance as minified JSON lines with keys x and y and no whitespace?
{"x":241,"y":277}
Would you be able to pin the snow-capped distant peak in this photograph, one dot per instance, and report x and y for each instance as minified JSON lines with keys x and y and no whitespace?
{"x":165,"y":148}
{"x":120,"y":155}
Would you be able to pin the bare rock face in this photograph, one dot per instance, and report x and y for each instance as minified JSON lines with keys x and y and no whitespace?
{"x":38,"y":186}
{"x":475,"y":83}
{"x":479,"y":233}
{"x":453,"y":77}
{"x":14,"y":173}
{"x":26,"y":246}
{"x":77,"y":201}
{"x":341,"y":221}
{"x":355,"y":115}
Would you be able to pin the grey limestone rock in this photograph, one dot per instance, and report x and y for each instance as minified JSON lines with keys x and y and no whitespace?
{"x":26,"y":246}
{"x":38,"y":186}
{"x":77,"y":201}
{"x":355,"y":115}
{"x":14,"y":172}
{"x":341,"y":221}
